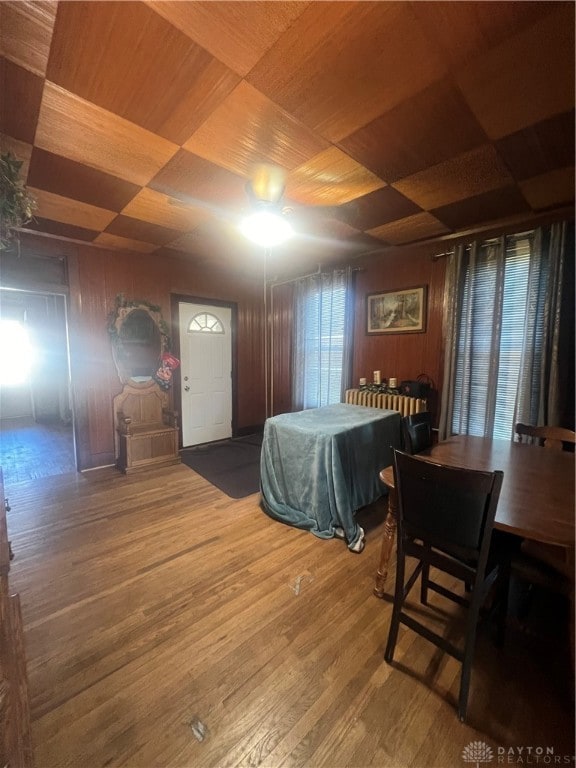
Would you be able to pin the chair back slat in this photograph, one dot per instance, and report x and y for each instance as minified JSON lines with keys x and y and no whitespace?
{"x":549,"y":437}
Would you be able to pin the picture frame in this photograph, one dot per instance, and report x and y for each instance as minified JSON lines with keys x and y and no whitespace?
{"x":402,"y":311}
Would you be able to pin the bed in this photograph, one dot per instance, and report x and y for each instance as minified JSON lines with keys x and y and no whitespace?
{"x":319,"y":466}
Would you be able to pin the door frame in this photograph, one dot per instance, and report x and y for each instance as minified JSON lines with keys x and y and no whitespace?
{"x":64,"y":293}
{"x":175,"y":299}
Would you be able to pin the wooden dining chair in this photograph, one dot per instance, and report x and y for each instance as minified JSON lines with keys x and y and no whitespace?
{"x":417,"y":432}
{"x":539,"y":564}
{"x":555,"y":438}
{"x":445,"y":517}
{"x":549,"y":437}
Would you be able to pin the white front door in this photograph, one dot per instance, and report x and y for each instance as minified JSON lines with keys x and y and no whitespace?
{"x":206,"y":372}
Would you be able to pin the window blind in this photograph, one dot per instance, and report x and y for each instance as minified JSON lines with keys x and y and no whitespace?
{"x":491,"y":336}
{"x":324,"y":320}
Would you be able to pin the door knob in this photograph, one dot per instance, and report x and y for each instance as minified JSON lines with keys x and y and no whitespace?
{"x":187,"y":388}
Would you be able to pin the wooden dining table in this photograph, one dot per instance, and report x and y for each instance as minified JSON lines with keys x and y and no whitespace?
{"x":537,"y":497}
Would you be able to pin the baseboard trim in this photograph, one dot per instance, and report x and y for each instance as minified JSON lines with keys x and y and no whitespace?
{"x":253,"y":430}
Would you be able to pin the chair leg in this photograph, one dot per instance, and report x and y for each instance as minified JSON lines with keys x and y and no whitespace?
{"x":396,"y":610}
{"x":469,"y":646}
{"x":424,"y":581}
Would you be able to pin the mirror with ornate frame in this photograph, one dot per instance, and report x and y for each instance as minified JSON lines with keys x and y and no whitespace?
{"x":139,"y":336}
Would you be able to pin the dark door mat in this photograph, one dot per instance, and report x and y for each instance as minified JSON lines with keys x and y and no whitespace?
{"x":233,"y":466}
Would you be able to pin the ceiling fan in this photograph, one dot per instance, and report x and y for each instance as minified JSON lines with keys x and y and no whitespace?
{"x":268,"y":224}
{"x":269,"y":220}
{"x":265,"y":191}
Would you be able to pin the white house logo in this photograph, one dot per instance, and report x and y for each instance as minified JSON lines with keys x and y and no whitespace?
{"x":477,"y":752}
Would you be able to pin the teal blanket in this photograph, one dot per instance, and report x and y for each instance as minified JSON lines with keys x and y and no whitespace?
{"x":319,"y":466}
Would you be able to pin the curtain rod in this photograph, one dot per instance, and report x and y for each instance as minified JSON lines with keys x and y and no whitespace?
{"x":312,"y":274}
{"x":437,"y":256}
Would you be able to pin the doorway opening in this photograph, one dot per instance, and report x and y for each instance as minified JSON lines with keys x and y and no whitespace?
{"x":36,"y":416}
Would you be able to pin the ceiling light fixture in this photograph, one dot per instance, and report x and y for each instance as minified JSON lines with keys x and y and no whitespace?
{"x":266,"y":228}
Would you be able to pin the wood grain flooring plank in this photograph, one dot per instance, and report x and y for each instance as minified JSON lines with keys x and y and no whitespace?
{"x":152,"y":602}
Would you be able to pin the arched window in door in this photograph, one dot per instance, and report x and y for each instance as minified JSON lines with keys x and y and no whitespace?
{"x":205,"y":322}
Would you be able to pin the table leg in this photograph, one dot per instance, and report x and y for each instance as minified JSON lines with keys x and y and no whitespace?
{"x":387,"y":545}
{"x":571,"y":596}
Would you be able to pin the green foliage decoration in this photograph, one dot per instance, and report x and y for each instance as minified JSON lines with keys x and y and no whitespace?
{"x":17,"y":205}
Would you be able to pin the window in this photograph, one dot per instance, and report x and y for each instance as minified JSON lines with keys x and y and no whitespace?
{"x":204,"y":322}
{"x":321,"y":346}
{"x":492,"y":336}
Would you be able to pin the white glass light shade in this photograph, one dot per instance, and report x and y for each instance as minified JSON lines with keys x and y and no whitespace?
{"x":266,"y":228}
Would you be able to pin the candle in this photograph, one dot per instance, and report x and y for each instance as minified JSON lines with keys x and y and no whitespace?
{"x":393,"y":383}
{"x":376,"y":377}
{"x":362,"y":382}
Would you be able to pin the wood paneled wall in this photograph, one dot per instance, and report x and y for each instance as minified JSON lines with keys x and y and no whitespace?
{"x":96,"y":276}
{"x":401,"y":355}
{"x":281,"y":321}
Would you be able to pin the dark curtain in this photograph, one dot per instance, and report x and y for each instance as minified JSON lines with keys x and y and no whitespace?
{"x":545,"y":392}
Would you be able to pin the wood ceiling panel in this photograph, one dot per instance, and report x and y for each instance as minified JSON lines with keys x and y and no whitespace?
{"x":427,"y":129}
{"x":464,"y":30}
{"x":170,"y":94}
{"x":187,"y":243}
{"x":146,"y":232}
{"x":491,"y":206}
{"x":379,"y":111}
{"x":549,"y":189}
{"x":525,"y":80}
{"x":316,"y":226}
{"x":247,"y":128}
{"x":330,"y":178}
{"x":67,"y":211}
{"x":473,"y":173}
{"x":68,"y":178}
{"x":379,"y":207}
{"x":188,"y":176}
{"x":107,"y":240}
{"x":356,"y":61}
{"x":152,"y":206}
{"x":20,"y":100}
{"x":70,"y":231}
{"x":26,"y":32}
{"x":236,"y":33}
{"x":417,"y":227}
{"x":539,"y":148}
{"x":81,"y":131}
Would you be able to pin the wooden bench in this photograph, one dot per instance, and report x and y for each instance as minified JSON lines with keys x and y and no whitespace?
{"x":146,"y":430}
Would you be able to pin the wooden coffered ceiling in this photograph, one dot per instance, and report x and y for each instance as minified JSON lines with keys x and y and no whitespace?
{"x":395,"y":122}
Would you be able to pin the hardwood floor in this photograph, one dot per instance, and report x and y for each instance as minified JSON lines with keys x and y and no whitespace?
{"x":168,"y":625}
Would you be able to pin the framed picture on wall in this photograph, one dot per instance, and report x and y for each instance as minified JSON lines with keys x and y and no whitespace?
{"x":397,"y":311}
